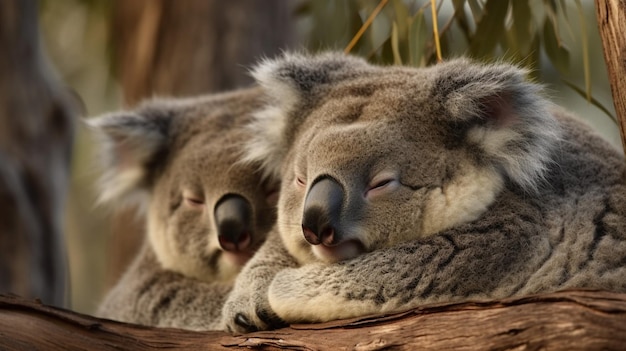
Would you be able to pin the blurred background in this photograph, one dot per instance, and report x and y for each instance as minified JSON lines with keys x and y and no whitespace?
{"x":114,"y":53}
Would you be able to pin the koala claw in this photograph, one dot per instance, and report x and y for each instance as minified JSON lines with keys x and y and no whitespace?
{"x":270,"y":319}
{"x":242,"y":321}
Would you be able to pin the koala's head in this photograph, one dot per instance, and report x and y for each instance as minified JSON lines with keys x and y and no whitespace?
{"x":372,"y":156}
{"x":207,"y":213}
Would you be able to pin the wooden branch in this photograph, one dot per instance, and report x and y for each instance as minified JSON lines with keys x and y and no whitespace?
{"x":568,"y":320}
{"x":611,"y":16}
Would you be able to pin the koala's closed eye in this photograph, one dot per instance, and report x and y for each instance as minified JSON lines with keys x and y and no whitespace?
{"x":300,"y":181}
{"x":193,"y":200}
{"x":382,"y":184}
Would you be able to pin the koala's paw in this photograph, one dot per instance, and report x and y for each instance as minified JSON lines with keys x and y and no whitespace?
{"x":246,"y":313}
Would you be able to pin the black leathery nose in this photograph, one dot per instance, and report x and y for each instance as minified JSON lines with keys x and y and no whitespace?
{"x":233,"y":218}
{"x":322,"y":211}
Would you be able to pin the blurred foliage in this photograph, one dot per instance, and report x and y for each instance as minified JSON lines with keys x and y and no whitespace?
{"x":516,"y":31}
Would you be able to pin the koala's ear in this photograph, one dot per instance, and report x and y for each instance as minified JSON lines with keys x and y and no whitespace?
{"x":505,"y":115}
{"x":128,"y":143}
{"x":292,"y":81}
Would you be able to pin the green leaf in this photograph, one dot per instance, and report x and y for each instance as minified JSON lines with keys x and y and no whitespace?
{"x":477,"y":11}
{"x":556,"y":51}
{"x":585,"y":40}
{"x":461,"y":18}
{"x":551,"y":11}
{"x":490,"y":28}
{"x":397,"y":59}
{"x":592,"y":100}
{"x":386,"y":52}
{"x":333,"y":24}
{"x":418,"y":37}
{"x":402,"y":18}
{"x":521,"y":27}
{"x":534,"y":59}
{"x":459,"y":6}
{"x":562,"y":11}
{"x":551,"y":6}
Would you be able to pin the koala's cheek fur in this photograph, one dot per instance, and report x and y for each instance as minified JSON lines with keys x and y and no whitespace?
{"x":182,"y":243}
{"x":290,"y":222}
{"x":463,"y":199}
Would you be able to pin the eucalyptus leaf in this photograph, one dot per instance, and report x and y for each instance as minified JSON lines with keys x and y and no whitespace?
{"x":402,"y":18}
{"x":556,"y":51}
{"x":418,"y":37}
{"x":534,"y":59}
{"x":521,"y":27}
{"x":563,"y":9}
{"x":461,"y":18}
{"x":490,"y":28}
{"x":386,"y":52}
{"x":397,"y":59}
{"x":477,"y":10}
{"x":592,"y":100}
{"x":551,"y":11}
{"x":585,"y":42}
{"x":562,"y":12}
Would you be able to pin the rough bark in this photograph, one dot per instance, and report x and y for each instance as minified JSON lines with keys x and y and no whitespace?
{"x":611,"y":16}
{"x":569,"y":320}
{"x":187,"y":47}
{"x":36,"y":134}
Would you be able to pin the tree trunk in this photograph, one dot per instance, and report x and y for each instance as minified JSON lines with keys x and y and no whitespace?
{"x":611,"y":16}
{"x":36,"y":134}
{"x":568,"y":320}
{"x":187,"y":47}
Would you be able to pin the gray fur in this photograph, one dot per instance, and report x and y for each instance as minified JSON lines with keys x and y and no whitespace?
{"x":492,"y":192}
{"x":176,"y":151}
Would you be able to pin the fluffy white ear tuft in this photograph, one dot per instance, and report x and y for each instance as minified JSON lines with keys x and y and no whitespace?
{"x":128,"y":143}
{"x":507,"y":117}
{"x":291,"y":81}
{"x":267,"y":146}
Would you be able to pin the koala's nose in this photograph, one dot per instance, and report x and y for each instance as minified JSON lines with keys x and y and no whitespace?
{"x":322,"y":210}
{"x":233,"y":217}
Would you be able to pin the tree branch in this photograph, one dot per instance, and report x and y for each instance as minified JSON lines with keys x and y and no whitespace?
{"x":568,"y":320}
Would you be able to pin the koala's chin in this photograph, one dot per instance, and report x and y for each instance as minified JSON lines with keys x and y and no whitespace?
{"x":343,"y":251}
{"x":234,"y":261}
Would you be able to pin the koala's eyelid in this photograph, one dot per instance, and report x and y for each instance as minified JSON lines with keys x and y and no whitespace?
{"x":301,"y":181}
{"x":300,"y":177}
{"x":382,"y":178}
{"x":193,"y":198}
{"x":381,"y":183}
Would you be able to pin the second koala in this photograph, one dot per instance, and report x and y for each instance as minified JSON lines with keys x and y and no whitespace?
{"x":206,"y":213}
{"x":406,"y":186}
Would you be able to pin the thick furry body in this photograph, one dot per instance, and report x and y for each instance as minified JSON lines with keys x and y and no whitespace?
{"x":147,"y":294}
{"x":179,"y":159}
{"x":487,"y":191}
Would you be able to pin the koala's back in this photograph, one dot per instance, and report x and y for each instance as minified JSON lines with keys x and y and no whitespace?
{"x":584,"y":208}
{"x":571,"y":234}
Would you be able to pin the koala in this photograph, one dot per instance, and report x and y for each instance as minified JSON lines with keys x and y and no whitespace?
{"x":408,"y":186}
{"x":206,"y":213}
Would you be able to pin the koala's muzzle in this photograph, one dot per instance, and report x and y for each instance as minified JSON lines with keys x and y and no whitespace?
{"x":233,"y":218}
{"x":322,"y":210}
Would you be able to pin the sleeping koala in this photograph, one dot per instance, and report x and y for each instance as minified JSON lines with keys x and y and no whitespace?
{"x":206,"y":215}
{"x":405,"y":186}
